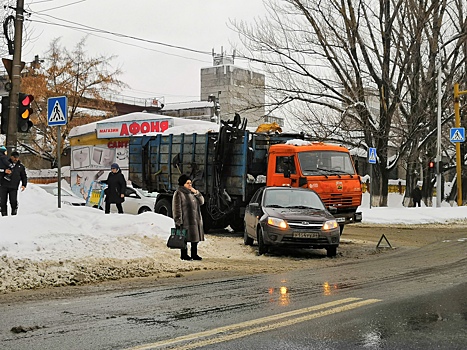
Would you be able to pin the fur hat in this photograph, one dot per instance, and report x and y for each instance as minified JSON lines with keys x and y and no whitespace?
{"x":14,"y":154}
{"x":183,"y":179}
{"x":114,"y":166}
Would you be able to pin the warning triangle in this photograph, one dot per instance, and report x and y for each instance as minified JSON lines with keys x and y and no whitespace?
{"x":457,"y":136}
{"x":57,"y":114}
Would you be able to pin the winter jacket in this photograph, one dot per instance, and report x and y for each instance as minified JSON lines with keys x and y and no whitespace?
{"x":417,"y":194}
{"x":4,"y":164}
{"x":186,"y":210}
{"x":116,"y":185}
{"x":18,"y":174}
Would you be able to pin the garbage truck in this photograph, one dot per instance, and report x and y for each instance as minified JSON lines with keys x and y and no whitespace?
{"x":230,"y":165}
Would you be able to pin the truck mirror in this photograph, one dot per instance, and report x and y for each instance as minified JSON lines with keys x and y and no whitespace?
{"x":332,"y":209}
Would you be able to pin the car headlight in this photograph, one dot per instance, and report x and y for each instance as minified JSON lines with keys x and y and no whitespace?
{"x":278,"y":223}
{"x":329,"y":225}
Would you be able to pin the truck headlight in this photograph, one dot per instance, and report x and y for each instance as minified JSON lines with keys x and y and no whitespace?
{"x":278,"y":223}
{"x":329,"y":225}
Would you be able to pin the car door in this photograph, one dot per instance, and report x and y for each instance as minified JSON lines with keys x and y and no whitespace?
{"x":251,"y":212}
{"x":132,"y":201}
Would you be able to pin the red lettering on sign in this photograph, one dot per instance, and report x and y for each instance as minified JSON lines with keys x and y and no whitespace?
{"x":164,"y":125}
{"x":124,"y":130}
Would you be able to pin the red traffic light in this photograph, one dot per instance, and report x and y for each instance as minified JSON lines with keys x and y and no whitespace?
{"x":431,"y":164}
{"x":26,"y":99}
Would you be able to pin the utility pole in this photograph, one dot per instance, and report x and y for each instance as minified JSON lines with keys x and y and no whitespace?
{"x":11,"y":137}
{"x":459,"y":163}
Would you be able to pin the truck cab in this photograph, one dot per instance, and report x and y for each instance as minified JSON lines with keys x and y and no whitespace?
{"x":325,"y":168}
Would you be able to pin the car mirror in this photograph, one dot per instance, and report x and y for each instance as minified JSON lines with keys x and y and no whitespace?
{"x":332,"y":209}
{"x":254,"y":205}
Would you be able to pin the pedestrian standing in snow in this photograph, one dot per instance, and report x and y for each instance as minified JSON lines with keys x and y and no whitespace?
{"x":9,"y":185}
{"x":5,"y":164}
{"x":116,"y":187}
{"x":417,"y":196}
{"x":186,"y":209}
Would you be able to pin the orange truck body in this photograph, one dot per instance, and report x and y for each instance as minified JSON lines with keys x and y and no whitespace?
{"x":325,"y":168}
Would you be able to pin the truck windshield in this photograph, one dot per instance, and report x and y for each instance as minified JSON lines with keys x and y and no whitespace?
{"x":325,"y":163}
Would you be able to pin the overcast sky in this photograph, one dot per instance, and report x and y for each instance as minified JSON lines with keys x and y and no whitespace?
{"x":151,"y":70}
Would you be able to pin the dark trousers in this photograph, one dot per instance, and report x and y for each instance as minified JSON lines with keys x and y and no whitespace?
{"x":12,"y":194}
{"x":119,"y":207}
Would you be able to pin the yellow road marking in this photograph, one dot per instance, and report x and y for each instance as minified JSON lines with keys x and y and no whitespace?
{"x":256,"y":322}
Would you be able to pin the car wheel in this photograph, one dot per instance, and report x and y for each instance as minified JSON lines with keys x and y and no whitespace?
{"x":262,"y":248}
{"x":331,"y":251}
{"x":247,"y":239}
{"x":164,"y":207}
{"x":143,"y":210}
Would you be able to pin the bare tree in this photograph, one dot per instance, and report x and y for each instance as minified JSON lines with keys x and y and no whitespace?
{"x":84,"y":80}
{"x":356,"y":71}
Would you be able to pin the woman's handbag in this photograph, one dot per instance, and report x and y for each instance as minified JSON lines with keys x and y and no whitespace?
{"x":177,"y":238}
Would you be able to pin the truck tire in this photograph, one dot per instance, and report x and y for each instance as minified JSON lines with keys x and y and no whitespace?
{"x":262,"y":248}
{"x":247,"y":239}
{"x":164,"y":207}
{"x":331,"y":251}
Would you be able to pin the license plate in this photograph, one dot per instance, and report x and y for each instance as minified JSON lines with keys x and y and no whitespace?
{"x":340,"y":219}
{"x":306,"y":235}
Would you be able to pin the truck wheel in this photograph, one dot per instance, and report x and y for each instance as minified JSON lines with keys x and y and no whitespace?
{"x":164,"y":207}
{"x":247,"y":239}
{"x":331,"y":251}
{"x":262,"y":248}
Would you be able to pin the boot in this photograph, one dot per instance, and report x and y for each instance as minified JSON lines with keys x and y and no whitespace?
{"x":14,"y":212}
{"x":184,"y":254}
{"x":4,"y":213}
{"x":194,"y":252}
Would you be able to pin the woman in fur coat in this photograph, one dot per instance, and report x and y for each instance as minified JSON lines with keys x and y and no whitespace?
{"x":186,"y":210}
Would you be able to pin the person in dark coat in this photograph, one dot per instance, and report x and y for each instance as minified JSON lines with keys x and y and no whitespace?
{"x":186,"y":210}
{"x":417,"y":196}
{"x":5,"y":164}
{"x":116,"y":187}
{"x":9,"y":186}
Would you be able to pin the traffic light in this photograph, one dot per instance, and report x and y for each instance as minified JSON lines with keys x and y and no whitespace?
{"x":5,"y":112}
{"x":24,"y":112}
{"x":431,"y":165}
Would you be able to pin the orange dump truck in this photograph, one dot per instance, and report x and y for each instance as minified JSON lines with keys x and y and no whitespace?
{"x":228,"y":166}
{"x":325,"y":168}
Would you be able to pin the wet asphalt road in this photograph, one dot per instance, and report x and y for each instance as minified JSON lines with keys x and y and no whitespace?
{"x":400,"y":300}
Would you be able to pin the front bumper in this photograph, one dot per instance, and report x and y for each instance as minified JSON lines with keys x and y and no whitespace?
{"x":301,"y":237}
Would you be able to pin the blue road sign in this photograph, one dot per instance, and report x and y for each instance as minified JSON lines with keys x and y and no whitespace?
{"x":372,"y":155}
{"x":57,"y":108}
{"x":457,"y":135}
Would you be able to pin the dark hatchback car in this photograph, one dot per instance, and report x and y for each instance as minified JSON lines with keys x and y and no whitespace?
{"x":290,"y":217}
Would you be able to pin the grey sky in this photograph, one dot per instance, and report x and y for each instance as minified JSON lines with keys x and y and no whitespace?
{"x":150,"y":70}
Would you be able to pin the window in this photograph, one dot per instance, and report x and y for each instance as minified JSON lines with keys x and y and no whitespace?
{"x":283,"y":162}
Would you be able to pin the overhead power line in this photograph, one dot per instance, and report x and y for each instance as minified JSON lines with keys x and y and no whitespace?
{"x":93,"y":29}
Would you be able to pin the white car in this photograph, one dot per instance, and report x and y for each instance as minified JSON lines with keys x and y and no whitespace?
{"x":136,"y":202}
{"x":67,"y":197}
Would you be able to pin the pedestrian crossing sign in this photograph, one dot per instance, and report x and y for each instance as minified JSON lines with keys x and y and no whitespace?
{"x":372,"y":155}
{"x":57,"y":111}
{"x":457,"y":135}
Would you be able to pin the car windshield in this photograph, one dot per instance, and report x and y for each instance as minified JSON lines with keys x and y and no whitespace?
{"x":325,"y":163}
{"x":285,"y":198}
